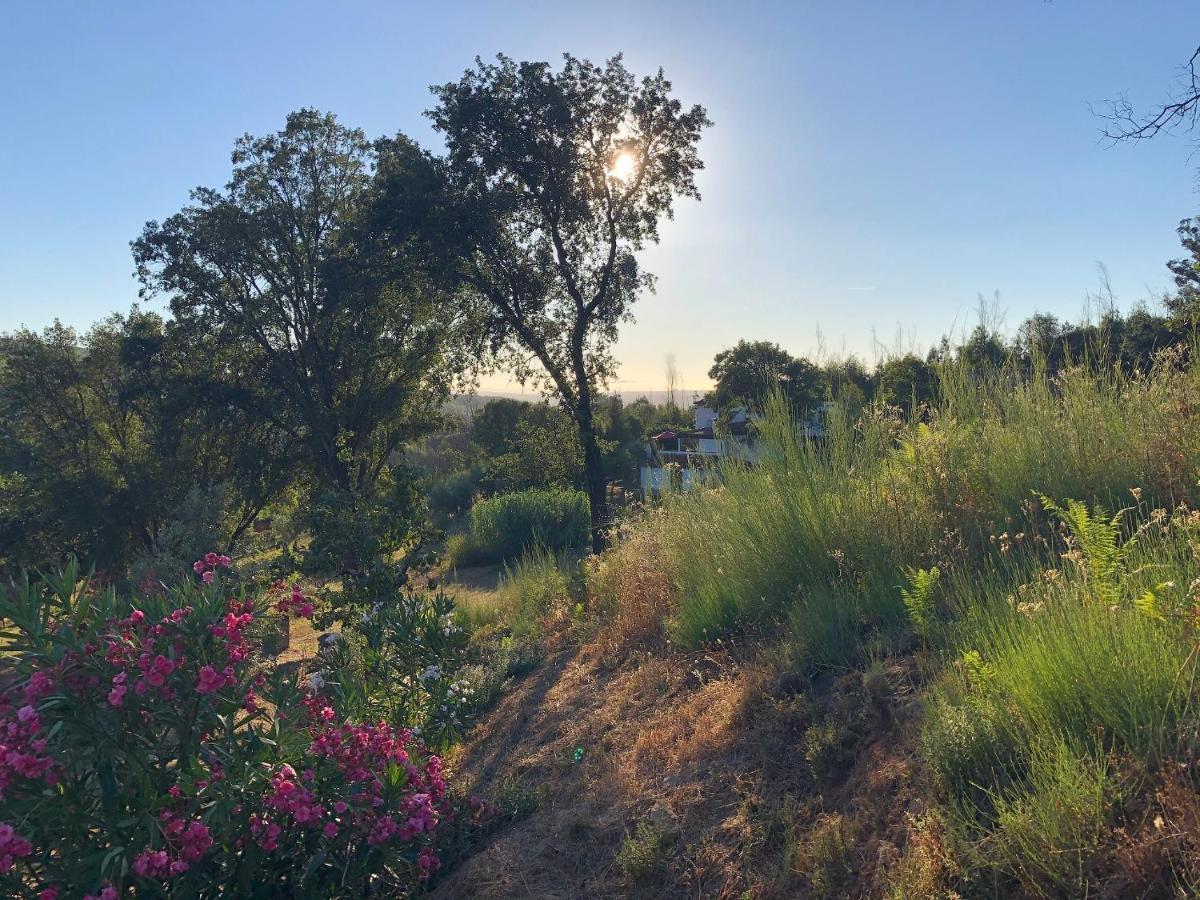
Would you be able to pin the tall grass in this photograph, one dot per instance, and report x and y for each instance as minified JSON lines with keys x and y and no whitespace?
{"x":533,"y":586}
{"x":815,"y":533}
{"x":1033,"y":535}
{"x":1072,"y":686}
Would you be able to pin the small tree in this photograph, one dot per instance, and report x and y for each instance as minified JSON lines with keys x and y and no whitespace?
{"x":556,"y":180}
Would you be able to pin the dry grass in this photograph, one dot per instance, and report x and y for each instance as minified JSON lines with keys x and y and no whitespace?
{"x":707,"y":740}
{"x":633,"y":589}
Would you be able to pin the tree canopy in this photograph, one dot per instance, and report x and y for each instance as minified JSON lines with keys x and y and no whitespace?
{"x":750,"y":371}
{"x":556,"y":179}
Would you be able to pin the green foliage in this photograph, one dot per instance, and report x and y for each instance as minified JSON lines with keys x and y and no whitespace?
{"x":196,"y":523}
{"x":906,"y":382}
{"x":507,"y":525}
{"x":751,"y":371}
{"x":1099,"y":539}
{"x":541,"y":450}
{"x":107,"y":433}
{"x":919,"y":598}
{"x":533,"y":586}
{"x":370,"y":541}
{"x":400,"y":662}
{"x":452,"y":494}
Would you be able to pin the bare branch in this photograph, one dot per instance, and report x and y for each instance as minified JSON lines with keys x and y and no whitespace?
{"x":1124,"y":124}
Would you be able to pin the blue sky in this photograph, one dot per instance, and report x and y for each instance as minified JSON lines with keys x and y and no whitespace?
{"x":874,"y":167}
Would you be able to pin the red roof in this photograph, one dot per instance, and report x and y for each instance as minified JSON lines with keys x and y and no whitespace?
{"x":665,"y":436}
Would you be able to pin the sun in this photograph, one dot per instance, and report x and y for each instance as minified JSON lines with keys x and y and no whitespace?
{"x":623,"y":166}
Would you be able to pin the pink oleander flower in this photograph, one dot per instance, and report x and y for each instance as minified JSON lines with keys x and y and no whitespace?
{"x":153,"y":864}
{"x":210,"y":681}
{"x":12,"y":847}
{"x":427,"y":862}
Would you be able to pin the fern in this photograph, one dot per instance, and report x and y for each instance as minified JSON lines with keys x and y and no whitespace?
{"x":1098,"y":539}
{"x":919,"y":598}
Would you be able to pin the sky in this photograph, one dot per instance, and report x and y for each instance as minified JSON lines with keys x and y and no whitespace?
{"x":874,"y":168}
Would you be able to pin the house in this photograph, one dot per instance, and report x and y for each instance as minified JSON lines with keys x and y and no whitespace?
{"x":690,"y":457}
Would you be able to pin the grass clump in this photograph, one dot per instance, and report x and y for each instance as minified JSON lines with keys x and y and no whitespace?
{"x":505,"y":526}
{"x":534,"y":586}
{"x":645,"y":851}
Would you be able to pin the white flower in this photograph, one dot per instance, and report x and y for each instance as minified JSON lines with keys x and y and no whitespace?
{"x":433,"y":673}
{"x":315,"y":682}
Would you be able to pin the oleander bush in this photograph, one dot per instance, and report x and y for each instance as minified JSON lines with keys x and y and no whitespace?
{"x":148,"y":751}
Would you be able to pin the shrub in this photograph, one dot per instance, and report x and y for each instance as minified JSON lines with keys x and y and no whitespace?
{"x":1045,"y":836}
{"x":451,"y":494}
{"x":398,"y":663}
{"x":645,"y":852}
{"x":142,"y":754}
{"x":196,"y":523}
{"x":507,"y":525}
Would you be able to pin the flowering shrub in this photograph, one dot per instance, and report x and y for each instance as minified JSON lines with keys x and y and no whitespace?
{"x":413,"y":646}
{"x":139,"y":755}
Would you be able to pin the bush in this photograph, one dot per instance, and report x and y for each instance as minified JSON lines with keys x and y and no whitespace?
{"x":398,"y":663}
{"x":142,"y":754}
{"x":507,"y":525}
{"x":452,"y":494}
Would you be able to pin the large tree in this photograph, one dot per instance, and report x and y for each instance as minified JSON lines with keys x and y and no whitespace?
{"x":277,"y":265}
{"x":283,"y":266}
{"x":556,"y":180}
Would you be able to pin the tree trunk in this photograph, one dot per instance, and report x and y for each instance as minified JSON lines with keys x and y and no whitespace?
{"x":597,"y":489}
